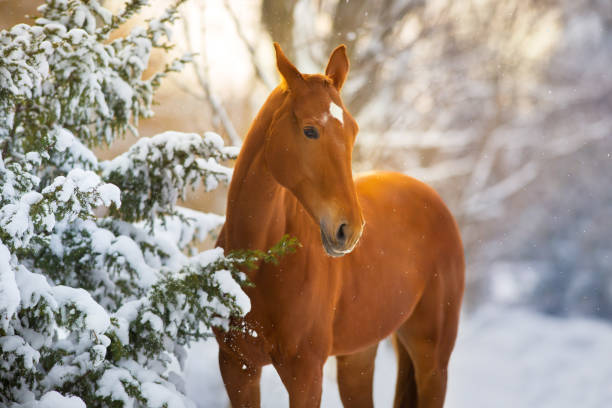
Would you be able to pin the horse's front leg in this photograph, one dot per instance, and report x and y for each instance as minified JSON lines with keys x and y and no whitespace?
{"x":302,"y":375}
{"x":241,"y":380}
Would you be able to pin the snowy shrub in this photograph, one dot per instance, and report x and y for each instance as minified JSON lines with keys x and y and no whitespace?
{"x":93,"y":310}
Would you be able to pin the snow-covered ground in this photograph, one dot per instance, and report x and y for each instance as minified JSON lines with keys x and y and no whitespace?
{"x":503,"y":358}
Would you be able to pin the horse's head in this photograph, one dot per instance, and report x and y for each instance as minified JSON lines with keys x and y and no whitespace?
{"x":309,"y":146}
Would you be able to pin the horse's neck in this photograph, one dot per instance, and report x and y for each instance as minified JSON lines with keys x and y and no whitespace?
{"x":256,"y":202}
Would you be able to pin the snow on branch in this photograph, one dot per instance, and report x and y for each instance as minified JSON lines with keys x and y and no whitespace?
{"x":154,"y":173}
{"x":71,"y":196}
{"x":187,"y":226}
{"x":98,"y":308}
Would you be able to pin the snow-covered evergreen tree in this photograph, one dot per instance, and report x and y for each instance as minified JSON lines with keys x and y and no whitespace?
{"x":93,"y":310}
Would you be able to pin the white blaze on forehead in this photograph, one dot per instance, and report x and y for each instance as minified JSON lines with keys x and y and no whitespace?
{"x":336,"y":112}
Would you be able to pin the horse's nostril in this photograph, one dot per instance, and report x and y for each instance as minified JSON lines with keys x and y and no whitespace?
{"x":341,"y":234}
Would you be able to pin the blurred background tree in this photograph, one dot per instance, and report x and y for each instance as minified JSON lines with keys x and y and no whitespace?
{"x":504,"y":107}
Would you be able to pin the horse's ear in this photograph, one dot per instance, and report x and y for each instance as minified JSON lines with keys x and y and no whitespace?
{"x":290,"y":75}
{"x":338,"y":66}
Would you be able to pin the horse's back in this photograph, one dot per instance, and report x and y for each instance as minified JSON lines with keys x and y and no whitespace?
{"x":409,"y":237}
{"x":394,"y":202}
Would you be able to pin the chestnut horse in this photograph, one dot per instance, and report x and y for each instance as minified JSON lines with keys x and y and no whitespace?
{"x":381,"y":255}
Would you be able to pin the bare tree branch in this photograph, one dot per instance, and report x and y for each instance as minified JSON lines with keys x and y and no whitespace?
{"x":259,"y":71}
{"x":203,"y":79}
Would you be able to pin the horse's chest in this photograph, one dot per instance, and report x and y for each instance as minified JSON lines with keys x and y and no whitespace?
{"x":287,"y":304}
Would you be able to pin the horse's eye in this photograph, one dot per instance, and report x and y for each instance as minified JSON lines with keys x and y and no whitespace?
{"x":311,"y":133}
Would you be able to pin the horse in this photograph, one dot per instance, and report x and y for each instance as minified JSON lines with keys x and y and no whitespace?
{"x":381,"y":255}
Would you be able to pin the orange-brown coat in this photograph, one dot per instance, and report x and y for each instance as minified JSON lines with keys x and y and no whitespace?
{"x":381,"y":254}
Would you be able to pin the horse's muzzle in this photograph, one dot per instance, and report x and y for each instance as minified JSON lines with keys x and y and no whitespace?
{"x":342,"y":240}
